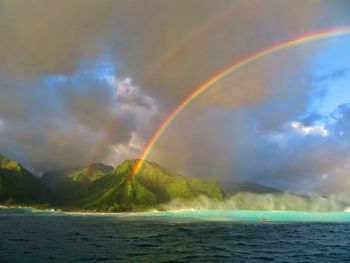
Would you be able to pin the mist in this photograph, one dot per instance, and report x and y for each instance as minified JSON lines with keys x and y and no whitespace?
{"x":261,"y":202}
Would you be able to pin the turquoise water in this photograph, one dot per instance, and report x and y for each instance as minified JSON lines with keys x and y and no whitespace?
{"x":206,"y":215}
{"x":217,"y":215}
{"x":29,"y":235}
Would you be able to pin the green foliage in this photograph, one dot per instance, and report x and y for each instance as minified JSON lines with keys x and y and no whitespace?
{"x":65,"y":184}
{"x":18,"y":186}
{"x":90,"y":173}
{"x":152,"y":186}
{"x":101,"y":188}
{"x":167,"y":185}
{"x":6,"y":164}
{"x":206,"y":187}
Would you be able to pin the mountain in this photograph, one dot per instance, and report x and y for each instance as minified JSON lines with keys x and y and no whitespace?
{"x":19,"y":186}
{"x":104,"y":189}
{"x":90,"y":173}
{"x":234,"y":187}
{"x":153,"y":185}
{"x":65,"y":182}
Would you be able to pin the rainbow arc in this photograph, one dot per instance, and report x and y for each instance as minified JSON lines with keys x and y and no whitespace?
{"x":301,"y":40}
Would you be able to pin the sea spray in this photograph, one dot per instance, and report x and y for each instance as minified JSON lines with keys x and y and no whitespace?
{"x":261,"y":202}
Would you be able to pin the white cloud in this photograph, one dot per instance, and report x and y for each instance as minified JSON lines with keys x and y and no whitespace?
{"x":129,"y":98}
{"x":122,"y":88}
{"x":124,"y":151}
{"x":309,"y":130}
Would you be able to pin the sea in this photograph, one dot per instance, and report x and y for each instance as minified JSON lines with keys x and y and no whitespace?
{"x":29,"y":235}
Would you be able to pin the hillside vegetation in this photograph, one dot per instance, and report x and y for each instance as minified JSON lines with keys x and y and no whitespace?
{"x":19,"y":186}
{"x":106,"y":189}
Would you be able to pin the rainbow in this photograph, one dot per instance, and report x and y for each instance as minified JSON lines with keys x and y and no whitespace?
{"x":205,"y":28}
{"x":300,"y":40}
{"x":162,"y":62}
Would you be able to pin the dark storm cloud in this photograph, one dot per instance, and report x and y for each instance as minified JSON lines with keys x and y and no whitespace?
{"x":40,"y":37}
{"x":52,"y":112}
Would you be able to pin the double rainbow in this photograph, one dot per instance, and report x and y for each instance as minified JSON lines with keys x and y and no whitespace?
{"x":301,"y":40}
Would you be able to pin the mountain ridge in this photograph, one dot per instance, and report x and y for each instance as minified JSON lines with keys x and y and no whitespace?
{"x":102,"y":188}
{"x":19,"y":186}
{"x":153,"y":185}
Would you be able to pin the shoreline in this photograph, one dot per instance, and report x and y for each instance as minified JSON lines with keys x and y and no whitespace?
{"x":191,"y":215}
{"x":59,"y":210}
{"x":82,"y":212}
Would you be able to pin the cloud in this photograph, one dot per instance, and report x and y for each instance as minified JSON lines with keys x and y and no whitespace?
{"x":339,"y":73}
{"x":124,"y":151}
{"x":70,"y":120}
{"x":317,"y":130}
{"x":43,"y":38}
{"x":278,"y":140}
{"x":92,"y":80}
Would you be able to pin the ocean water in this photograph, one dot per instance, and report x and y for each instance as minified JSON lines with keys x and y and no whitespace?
{"x":29,"y":235}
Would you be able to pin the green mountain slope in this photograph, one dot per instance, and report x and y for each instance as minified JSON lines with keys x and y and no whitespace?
{"x":65,"y":183}
{"x":90,"y":173}
{"x":234,"y":187}
{"x":19,"y":186}
{"x":154,"y":185}
{"x":102,"y":188}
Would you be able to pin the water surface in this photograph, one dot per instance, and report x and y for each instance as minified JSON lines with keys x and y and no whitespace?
{"x":28,"y":235}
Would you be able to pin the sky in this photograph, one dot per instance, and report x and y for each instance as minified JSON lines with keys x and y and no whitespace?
{"x":90,"y":81}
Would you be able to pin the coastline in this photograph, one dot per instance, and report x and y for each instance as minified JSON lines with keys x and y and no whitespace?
{"x":192,"y":215}
{"x":73,"y":212}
